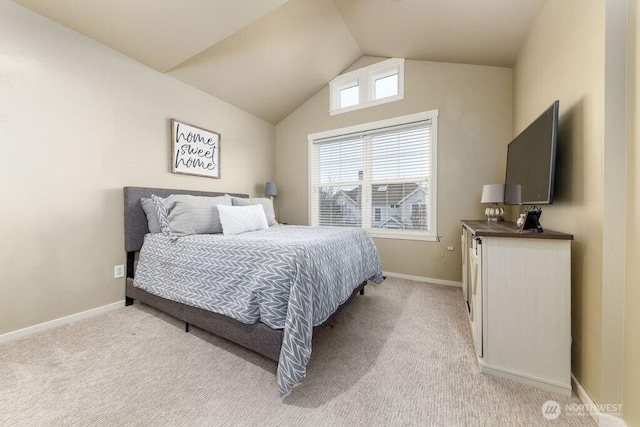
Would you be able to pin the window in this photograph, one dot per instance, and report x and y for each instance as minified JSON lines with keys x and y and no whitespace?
{"x":419,"y":214}
{"x":373,"y":85}
{"x":377,"y":214}
{"x":385,"y":86}
{"x":349,"y":96}
{"x":380,"y":176}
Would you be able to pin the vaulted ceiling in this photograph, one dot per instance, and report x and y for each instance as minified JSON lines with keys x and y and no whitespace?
{"x":267,"y":57}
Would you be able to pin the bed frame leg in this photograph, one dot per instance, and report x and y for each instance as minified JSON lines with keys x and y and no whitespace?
{"x":186,"y":326}
{"x":131,"y":259}
{"x":131,"y":256}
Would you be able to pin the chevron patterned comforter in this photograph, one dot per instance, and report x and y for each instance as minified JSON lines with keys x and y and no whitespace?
{"x":287,"y":277}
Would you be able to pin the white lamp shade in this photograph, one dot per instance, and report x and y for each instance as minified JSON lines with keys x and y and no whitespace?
{"x":271,"y":189}
{"x":492,"y":193}
{"x":512,"y":194}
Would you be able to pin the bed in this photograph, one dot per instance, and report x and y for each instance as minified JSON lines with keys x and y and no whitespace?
{"x":266,"y":290}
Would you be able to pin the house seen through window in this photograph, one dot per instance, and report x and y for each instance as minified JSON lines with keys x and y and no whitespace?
{"x":381,"y":178}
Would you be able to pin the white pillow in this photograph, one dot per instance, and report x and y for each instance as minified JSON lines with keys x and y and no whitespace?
{"x":241,"y":219}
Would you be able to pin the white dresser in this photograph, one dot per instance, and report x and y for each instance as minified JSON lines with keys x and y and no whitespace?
{"x":517,"y":285}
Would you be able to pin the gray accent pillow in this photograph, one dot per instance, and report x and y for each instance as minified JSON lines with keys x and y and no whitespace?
{"x":267,"y":204}
{"x":161,"y":214}
{"x":194,"y":214}
{"x":150,"y":211}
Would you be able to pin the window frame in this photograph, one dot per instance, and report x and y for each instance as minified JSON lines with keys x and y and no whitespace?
{"x":402,"y":234}
{"x":365,"y":79}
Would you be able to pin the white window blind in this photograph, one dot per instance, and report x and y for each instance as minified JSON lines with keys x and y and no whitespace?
{"x":378,"y":179}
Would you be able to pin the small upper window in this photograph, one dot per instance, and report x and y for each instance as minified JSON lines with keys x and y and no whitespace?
{"x":349,"y":96}
{"x":365,"y":87}
{"x":386,"y":86}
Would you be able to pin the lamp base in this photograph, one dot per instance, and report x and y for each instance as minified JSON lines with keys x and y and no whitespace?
{"x":494,"y":214}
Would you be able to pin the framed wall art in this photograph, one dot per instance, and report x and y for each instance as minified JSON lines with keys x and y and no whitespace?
{"x":194,"y":151}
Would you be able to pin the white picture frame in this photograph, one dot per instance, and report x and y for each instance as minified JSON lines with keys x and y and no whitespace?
{"x":194,"y":150}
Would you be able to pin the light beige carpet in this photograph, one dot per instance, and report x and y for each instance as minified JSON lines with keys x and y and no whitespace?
{"x":400,"y":355}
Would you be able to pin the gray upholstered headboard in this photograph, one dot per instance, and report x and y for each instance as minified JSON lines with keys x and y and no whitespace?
{"x":135,"y":221}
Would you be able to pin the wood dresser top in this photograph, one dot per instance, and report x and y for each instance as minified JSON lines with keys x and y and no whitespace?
{"x":510,"y":229}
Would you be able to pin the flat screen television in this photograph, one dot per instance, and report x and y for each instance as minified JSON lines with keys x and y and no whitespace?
{"x":531,"y":160}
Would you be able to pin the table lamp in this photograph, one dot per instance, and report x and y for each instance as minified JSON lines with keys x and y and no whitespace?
{"x":493,"y":193}
{"x":271,"y":189}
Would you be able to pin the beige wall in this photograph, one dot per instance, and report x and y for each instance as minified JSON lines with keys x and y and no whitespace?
{"x":631,"y":386}
{"x":474,"y":127}
{"x":79,"y":121}
{"x":575,"y":52}
{"x":563,"y":58}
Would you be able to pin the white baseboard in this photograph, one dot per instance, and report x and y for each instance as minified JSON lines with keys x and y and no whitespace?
{"x":557,"y":387}
{"x":20,"y":333}
{"x":601,"y":419}
{"x":423,"y":279}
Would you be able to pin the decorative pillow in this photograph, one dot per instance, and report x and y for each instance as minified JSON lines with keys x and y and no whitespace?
{"x":241,"y":219}
{"x":267,"y":204}
{"x":161,"y":214}
{"x":150,"y":211}
{"x":194,"y":214}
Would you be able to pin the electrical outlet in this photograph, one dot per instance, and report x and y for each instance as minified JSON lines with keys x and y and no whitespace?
{"x":118,"y":271}
{"x":449,"y":248}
